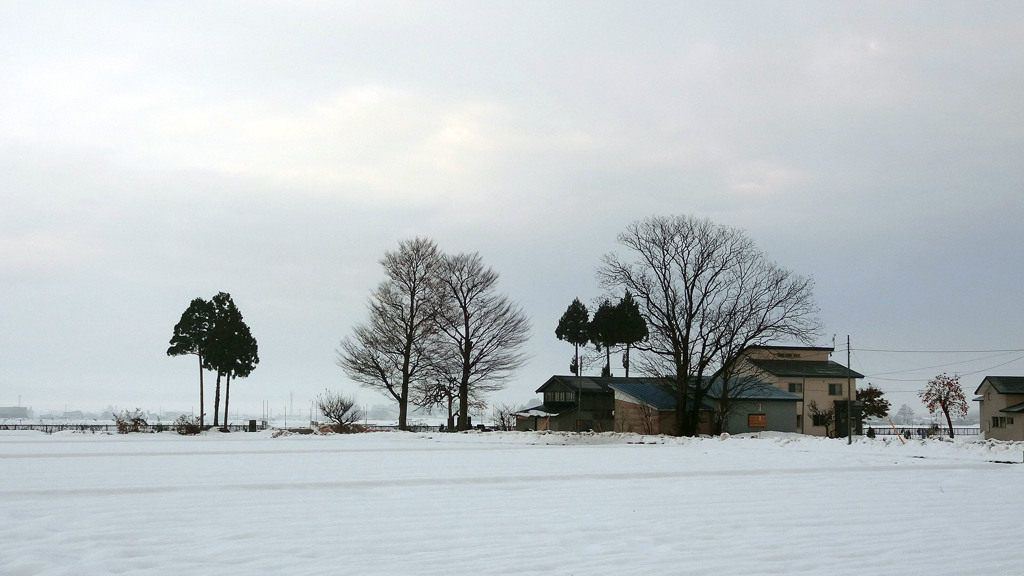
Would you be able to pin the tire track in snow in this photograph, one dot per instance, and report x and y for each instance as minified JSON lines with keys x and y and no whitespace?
{"x":192,"y":453}
{"x":526,"y":480}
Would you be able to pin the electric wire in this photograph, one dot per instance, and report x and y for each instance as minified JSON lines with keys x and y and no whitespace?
{"x":881,"y":376}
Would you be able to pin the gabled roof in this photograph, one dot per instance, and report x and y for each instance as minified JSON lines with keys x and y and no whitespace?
{"x":805,"y":369}
{"x":751,"y":389}
{"x":651,"y":391}
{"x":585,"y":383}
{"x":1015,"y":409}
{"x":1004,"y":384}
{"x":657,"y":392}
{"x":545,"y":410}
{"x":808,"y":348}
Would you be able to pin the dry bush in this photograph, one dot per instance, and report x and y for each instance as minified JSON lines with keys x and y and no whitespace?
{"x":187,"y":425}
{"x":341,"y":410}
{"x":130,"y":421}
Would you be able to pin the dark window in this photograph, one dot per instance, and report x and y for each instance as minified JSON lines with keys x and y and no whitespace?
{"x":835,"y":389}
{"x":560,"y":397}
{"x":819,"y":419}
{"x":796,"y":387}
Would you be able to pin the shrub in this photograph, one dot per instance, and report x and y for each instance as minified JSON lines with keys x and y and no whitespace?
{"x":504,"y":417}
{"x":341,"y":410}
{"x":130,"y":421}
{"x":187,"y":425}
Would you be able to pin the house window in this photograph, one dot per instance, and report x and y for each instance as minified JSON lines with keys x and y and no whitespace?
{"x":796,"y":387}
{"x":835,"y":389}
{"x":819,"y":419}
{"x":1009,"y":421}
{"x":560,"y":397}
{"x":1000,"y":422}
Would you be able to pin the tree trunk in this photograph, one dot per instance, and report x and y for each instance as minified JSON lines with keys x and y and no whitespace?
{"x":464,"y":393}
{"x":718,"y":426}
{"x":451,"y":412}
{"x":949,"y":421}
{"x":464,"y":404}
{"x":200,"y":391}
{"x":403,"y":405}
{"x":216,"y":401}
{"x":626,"y":363}
{"x":227,"y":395}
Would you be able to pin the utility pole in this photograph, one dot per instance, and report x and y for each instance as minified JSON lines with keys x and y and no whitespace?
{"x":849,"y":394}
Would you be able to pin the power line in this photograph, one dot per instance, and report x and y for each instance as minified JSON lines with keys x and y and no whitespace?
{"x":875,"y":377}
{"x":942,"y":365}
{"x":1005,"y":351}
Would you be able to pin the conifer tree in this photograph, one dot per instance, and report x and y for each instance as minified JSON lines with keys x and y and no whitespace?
{"x":191,"y":336}
{"x":574,"y":328}
{"x":631,"y":326}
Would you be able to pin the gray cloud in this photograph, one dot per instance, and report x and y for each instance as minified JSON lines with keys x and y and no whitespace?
{"x":276,"y":150}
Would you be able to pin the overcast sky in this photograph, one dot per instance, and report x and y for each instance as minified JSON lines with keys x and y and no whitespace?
{"x":151,"y":153}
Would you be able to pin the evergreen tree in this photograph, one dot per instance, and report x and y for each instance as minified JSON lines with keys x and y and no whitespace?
{"x":231,"y":349}
{"x":574,"y":328}
{"x":191,"y":336}
{"x":605,"y":332}
{"x":873,"y":404}
{"x":631,"y":326}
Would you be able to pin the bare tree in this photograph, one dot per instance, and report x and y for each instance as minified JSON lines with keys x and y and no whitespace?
{"x":706,"y":293}
{"x":761,"y":303}
{"x":731,"y":389}
{"x":340,"y":409}
{"x":390,"y":351}
{"x":647,"y":415}
{"x":479,"y":332}
{"x":821,"y":417}
{"x":504,"y":416}
{"x":440,"y":391}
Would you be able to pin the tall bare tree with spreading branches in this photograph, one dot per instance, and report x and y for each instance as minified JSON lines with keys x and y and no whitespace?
{"x":391,"y":350}
{"x":706,"y":293}
{"x":479,"y":330}
{"x":439,"y":329}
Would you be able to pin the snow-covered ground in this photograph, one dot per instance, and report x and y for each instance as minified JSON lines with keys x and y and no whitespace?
{"x":505,"y":503}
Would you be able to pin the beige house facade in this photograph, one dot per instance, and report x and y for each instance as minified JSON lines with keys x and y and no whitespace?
{"x":1001,"y":407}
{"x":823,"y":385}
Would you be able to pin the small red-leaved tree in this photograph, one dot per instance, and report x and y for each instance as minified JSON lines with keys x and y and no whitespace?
{"x":945,"y":394}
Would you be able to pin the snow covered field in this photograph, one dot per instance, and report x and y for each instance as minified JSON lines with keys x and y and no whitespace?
{"x":505,"y":503}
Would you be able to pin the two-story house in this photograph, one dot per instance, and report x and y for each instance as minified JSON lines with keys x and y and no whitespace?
{"x":1001,"y":407}
{"x":573,"y":404}
{"x":823,"y":385}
